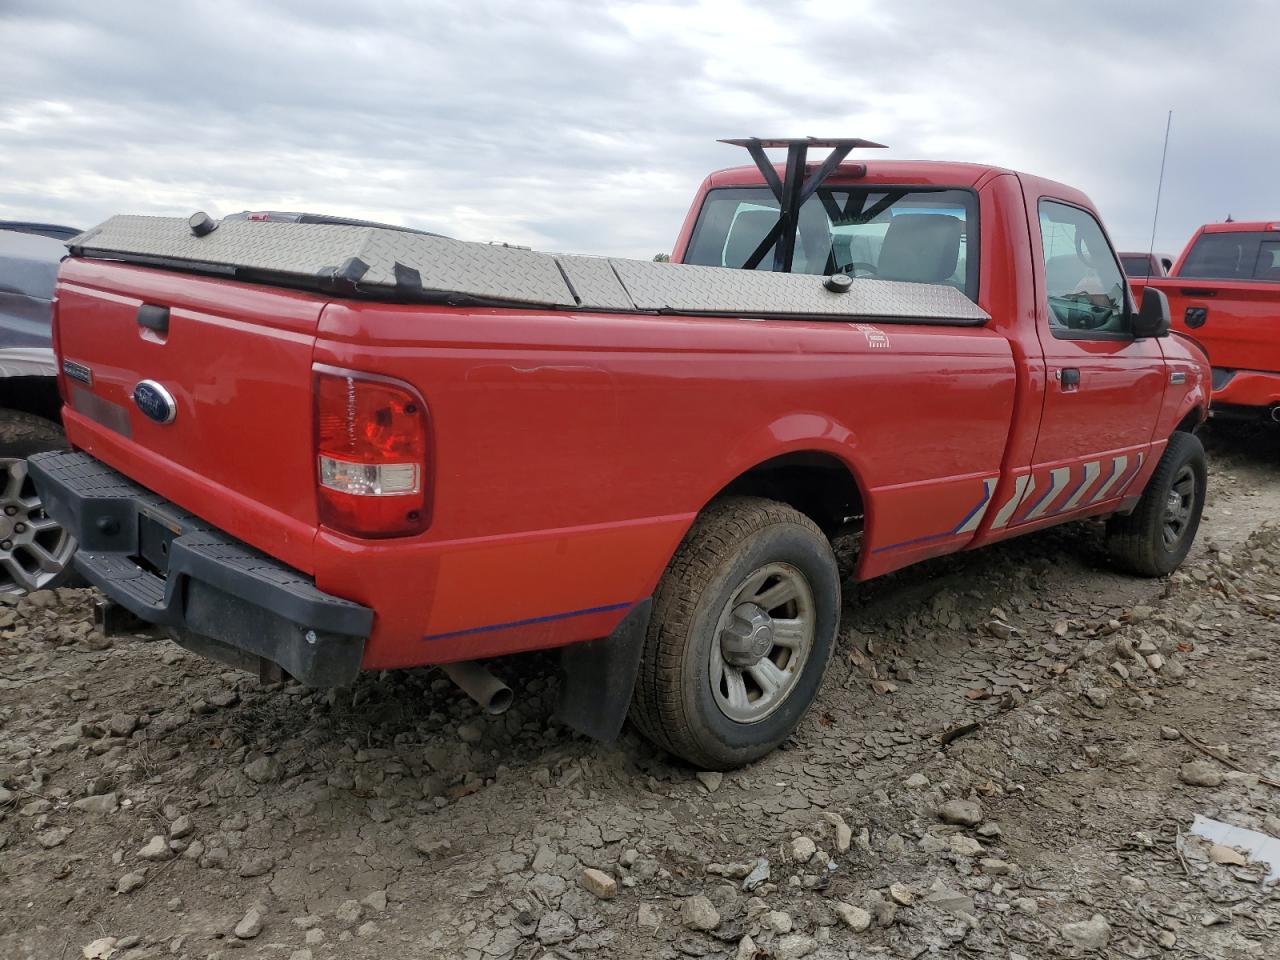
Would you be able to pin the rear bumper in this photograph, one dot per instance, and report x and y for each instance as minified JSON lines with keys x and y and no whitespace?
{"x":1258,"y":389}
{"x":222,"y":597}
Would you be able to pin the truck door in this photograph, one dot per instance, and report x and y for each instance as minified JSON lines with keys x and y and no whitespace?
{"x":1104,"y":387}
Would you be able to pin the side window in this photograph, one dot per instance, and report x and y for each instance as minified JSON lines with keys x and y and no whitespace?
{"x":1083,"y":282}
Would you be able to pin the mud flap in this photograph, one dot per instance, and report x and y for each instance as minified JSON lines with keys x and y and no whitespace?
{"x":598,"y":676}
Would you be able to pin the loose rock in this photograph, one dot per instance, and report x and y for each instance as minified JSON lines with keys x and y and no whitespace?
{"x":794,"y":946}
{"x":855,"y":918}
{"x":157,"y":848}
{"x":599,"y":884}
{"x":844,"y":835}
{"x":965,"y":813}
{"x":53,"y":837}
{"x":182,"y":827}
{"x":263,"y":770}
{"x":777,"y":921}
{"x":348,"y":912}
{"x":803,"y":849}
{"x":698,"y":913}
{"x":555,"y":927}
{"x":131,"y":881}
{"x":711,"y":779}
{"x":103,"y":803}
{"x":250,"y":926}
{"x":1091,"y":934}
{"x":1200,"y":773}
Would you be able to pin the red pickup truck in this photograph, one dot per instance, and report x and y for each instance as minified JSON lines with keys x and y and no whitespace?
{"x":320,"y":449}
{"x":1224,"y":292}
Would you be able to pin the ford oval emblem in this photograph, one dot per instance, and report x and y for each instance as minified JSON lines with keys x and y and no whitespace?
{"x":155,"y":402}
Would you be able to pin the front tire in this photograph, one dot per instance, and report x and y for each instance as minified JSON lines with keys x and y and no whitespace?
{"x":1154,"y":539}
{"x":743,"y":625}
{"x":35,"y":553}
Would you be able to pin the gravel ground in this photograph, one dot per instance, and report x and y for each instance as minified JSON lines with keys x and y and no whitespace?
{"x":1006,"y":761}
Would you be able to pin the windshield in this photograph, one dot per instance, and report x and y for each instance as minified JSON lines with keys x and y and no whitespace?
{"x":885,"y":233}
{"x":1234,"y":256}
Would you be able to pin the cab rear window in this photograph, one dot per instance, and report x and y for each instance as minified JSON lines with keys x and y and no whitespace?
{"x":885,"y":233}
{"x":1234,"y":256}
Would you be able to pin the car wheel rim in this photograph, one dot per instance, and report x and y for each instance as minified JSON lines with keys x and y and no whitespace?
{"x":34,"y":550}
{"x":1179,"y":507}
{"x":762,"y":642}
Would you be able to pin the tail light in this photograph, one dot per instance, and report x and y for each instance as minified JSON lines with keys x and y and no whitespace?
{"x":371,"y":454}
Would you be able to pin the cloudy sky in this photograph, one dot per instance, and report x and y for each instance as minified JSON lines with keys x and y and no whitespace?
{"x":586,"y":125}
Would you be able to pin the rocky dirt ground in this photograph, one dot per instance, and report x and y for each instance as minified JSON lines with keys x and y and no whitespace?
{"x":1006,"y":761}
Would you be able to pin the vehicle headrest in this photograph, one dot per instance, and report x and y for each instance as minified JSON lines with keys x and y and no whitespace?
{"x":920,"y":247}
{"x":1063,"y":273}
{"x":748,"y":230}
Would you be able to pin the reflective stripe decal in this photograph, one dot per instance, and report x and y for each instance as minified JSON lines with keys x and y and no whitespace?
{"x":1057,"y":483}
{"x":970,"y":523}
{"x":1118,"y":465}
{"x":1130,"y":478}
{"x":1021,"y":486}
{"x":1091,"y":471}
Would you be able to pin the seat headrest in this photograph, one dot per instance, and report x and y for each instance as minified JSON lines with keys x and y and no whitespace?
{"x":920,"y":247}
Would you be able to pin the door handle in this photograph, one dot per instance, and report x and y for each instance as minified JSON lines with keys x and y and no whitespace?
{"x":154,"y":317}
{"x":1068,"y":377}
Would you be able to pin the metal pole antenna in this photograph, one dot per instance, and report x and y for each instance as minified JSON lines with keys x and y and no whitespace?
{"x":1160,"y":186}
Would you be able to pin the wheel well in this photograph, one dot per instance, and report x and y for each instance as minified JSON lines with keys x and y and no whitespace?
{"x":34,"y":395}
{"x":1191,"y":422}
{"x":817,"y":484}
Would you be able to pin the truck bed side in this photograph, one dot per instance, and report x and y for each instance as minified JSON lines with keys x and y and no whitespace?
{"x":571,"y":452}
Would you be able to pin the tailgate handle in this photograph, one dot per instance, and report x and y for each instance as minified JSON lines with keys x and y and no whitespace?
{"x":154,"y":317}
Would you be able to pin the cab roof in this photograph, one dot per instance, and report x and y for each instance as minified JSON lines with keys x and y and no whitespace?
{"x":1241,"y":226}
{"x":933,"y":173}
{"x":924,"y":173}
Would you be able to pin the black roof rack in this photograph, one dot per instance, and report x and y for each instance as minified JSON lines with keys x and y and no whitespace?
{"x":793,"y":189}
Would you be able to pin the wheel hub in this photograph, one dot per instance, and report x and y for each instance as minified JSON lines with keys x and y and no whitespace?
{"x":34,"y":550}
{"x":748,"y":637}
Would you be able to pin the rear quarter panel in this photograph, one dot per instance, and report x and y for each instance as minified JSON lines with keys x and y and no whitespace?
{"x":572,"y":452}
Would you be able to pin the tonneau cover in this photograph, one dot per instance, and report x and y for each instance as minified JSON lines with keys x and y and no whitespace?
{"x":394,"y":265}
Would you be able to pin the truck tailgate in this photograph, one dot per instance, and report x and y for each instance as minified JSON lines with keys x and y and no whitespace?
{"x":1236,"y":320}
{"x":235,"y":359}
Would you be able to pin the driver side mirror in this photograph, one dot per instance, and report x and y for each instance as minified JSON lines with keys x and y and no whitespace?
{"x":1152,"y":319}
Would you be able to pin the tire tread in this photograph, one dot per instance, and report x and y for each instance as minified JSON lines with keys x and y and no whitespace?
{"x":1131,"y":540}
{"x":657,"y":707}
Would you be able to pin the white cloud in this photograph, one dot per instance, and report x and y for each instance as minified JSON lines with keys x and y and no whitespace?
{"x":587,"y":125}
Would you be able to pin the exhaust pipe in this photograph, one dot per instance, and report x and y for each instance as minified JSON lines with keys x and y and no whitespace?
{"x":480,"y":685}
{"x":1275,"y":413}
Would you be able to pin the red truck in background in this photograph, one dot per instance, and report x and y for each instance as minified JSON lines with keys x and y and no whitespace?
{"x":316,"y":449}
{"x":1224,"y":292}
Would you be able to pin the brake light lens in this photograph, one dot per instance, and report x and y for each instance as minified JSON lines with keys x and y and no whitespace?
{"x":371,"y":454}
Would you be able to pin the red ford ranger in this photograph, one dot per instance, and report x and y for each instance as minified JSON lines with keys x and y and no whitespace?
{"x":318,"y":449}
{"x":1224,"y":292}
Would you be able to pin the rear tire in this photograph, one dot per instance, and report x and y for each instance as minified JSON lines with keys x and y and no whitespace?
{"x":743,"y":625}
{"x":1154,"y":539}
{"x":35,"y":553}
